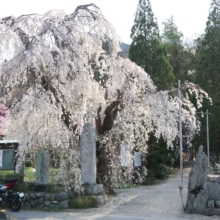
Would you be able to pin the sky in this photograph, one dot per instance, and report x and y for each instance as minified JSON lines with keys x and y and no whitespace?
{"x":190,"y":15}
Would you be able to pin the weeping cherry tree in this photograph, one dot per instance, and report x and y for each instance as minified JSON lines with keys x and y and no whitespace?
{"x":59,"y":72}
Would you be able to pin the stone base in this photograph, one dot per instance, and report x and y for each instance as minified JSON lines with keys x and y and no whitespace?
{"x":93,"y":189}
{"x":211,"y":211}
{"x":213,"y":178}
{"x":101,"y":200}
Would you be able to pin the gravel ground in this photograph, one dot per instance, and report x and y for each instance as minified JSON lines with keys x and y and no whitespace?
{"x":160,"y":201}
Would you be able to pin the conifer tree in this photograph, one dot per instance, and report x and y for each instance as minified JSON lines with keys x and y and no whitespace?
{"x":208,"y":73}
{"x":147,"y":49}
{"x":179,"y":54}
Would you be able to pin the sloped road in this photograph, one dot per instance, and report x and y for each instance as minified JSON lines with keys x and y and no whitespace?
{"x":156,"y":202}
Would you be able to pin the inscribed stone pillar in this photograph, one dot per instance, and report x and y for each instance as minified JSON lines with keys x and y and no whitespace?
{"x":197,"y":186}
{"x":42,"y":168}
{"x":88,"y":154}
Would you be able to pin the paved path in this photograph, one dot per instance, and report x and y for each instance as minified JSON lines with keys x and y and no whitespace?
{"x":156,"y":202}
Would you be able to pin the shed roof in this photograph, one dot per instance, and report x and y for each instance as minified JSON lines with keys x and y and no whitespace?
{"x":8,"y":141}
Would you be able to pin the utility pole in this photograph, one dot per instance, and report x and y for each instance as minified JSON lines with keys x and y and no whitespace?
{"x":207,"y":129}
{"x":207,"y":133}
{"x":181,"y":144}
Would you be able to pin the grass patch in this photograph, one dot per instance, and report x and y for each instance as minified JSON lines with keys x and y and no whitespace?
{"x":127,"y":185}
{"x":83,"y":202}
{"x":29,"y":174}
{"x":8,"y":174}
{"x":29,"y":179}
{"x":193,"y":212}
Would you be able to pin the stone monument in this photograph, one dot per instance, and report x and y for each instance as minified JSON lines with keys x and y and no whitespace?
{"x":88,"y":159}
{"x":197,"y":197}
{"x":42,"y":167}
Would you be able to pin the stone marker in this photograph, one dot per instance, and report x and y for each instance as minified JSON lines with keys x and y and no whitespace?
{"x":88,"y":160}
{"x":197,"y":197}
{"x":88,"y":154}
{"x":42,"y":168}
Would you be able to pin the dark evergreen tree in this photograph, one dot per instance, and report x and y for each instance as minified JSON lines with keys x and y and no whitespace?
{"x":208,"y":73}
{"x":147,"y":49}
{"x":180,"y":54}
{"x":170,"y":32}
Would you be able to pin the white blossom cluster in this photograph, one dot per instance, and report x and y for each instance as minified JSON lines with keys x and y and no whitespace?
{"x":64,"y":64}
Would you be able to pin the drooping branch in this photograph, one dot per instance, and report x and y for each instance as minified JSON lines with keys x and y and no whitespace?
{"x":63,"y":64}
{"x":86,"y":8}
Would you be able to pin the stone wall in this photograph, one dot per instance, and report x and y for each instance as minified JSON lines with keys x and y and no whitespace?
{"x":47,"y":201}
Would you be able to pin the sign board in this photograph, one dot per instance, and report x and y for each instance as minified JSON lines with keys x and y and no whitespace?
{"x":137,"y":159}
{"x":126,"y":159}
{"x":7,"y":159}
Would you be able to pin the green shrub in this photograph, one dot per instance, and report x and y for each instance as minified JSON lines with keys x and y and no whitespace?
{"x":21,"y":187}
{"x":150,"y":178}
{"x":8,"y":174}
{"x":161,"y":171}
{"x":83,"y":202}
{"x":29,"y":175}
